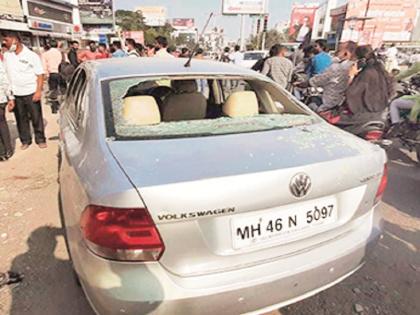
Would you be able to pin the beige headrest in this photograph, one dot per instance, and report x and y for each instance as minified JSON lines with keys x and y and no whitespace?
{"x":141,"y":110}
{"x":241,"y":104}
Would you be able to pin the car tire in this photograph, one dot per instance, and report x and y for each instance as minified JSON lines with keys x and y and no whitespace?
{"x":418,"y":154}
{"x":63,"y":226}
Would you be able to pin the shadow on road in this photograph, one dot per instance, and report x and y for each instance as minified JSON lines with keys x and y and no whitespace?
{"x":404,"y":177}
{"x":49,"y":286}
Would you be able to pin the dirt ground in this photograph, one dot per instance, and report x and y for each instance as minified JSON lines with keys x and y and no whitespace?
{"x":31,"y":241}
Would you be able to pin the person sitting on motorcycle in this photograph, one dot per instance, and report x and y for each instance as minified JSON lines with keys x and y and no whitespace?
{"x":334,"y":81}
{"x":411,"y":102}
{"x":322,"y":60}
{"x":371,"y":85}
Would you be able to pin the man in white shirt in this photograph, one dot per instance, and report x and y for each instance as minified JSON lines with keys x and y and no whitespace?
{"x":237,"y":56}
{"x":161,"y":47}
{"x":26,"y":76}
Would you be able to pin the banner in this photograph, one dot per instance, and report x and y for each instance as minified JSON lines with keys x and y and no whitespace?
{"x":234,"y":7}
{"x":375,"y":22}
{"x":96,"y":12}
{"x":302,"y":21}
{"x":10,"y":9}
{"x":153,"y":15}
{"x":183,"y":23}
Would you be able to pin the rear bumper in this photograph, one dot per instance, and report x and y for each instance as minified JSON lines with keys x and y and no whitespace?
{"x":127,"y":288}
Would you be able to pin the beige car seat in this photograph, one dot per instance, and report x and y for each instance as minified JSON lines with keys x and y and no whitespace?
{"x":141,"y":110}
{"x":185,"y":103}
{"x":241,"y":104}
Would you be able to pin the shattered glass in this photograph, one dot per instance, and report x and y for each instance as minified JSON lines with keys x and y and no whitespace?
{"x":190,"y":128}
{"x":223,"y":125}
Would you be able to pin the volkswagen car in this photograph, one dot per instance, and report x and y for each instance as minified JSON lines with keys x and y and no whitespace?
{"x":208,"y":189}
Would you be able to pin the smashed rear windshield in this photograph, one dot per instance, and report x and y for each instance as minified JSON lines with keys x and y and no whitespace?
{"x":174,"y":107}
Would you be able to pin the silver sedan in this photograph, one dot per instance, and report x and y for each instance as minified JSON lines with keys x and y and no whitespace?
{"x":208,"y":190}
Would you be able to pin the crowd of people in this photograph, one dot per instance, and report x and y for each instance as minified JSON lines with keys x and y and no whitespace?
{"x":357,"y":79}
{"x":354,"y":78}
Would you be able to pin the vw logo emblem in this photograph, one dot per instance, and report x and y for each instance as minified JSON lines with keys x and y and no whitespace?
{"x":300,"y":185}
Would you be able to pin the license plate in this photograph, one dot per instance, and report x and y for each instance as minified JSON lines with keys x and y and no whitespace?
{"x":284,"y":223}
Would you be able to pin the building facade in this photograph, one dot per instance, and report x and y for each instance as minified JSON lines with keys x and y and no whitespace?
{"x":38,"y":21}
{"x":98,"y":20}
{"x":47,"y":19}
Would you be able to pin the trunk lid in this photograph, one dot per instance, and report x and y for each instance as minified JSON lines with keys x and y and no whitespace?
{"x":199,"y":189}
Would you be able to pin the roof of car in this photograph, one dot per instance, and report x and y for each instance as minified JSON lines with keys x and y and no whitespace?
{"x":121,"y":67}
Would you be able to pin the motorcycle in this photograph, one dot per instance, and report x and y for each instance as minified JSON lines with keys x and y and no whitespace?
{"x":371,"y":128}
{"x":407,"y":133}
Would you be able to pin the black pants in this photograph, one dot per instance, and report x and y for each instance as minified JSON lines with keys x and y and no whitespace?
{"x":5,"y":142}
{"x":54,"y":83}
{"x":25,"y":111}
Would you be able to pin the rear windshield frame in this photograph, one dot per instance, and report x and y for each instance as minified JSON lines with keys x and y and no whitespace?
{"x":109,"y":114}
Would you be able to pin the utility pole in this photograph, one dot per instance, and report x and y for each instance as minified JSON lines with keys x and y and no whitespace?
{"x":242,"y":42}
{"x":264,"y":34}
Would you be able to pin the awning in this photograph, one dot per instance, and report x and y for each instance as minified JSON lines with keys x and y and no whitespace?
{"x":14,"y":26}
{"x":54,"y":34}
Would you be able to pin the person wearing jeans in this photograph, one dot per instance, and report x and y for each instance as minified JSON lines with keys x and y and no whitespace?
{"x":25,"y":73}
{"x":6,"y":102}
{"x":398,"y":105}
{"x":409,"y":102}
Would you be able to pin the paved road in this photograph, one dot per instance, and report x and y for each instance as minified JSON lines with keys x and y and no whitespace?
{"x":31,"y":241}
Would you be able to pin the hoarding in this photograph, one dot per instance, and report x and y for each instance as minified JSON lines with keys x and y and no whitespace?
{"x":10,"y":9}
{"x":96,"y":12}
{"x":375,"y":22}
{"x":46,"y":12}
{"x":302,"y":21}
{"x":153,"y":15}
{"x":138,"y":36}
{"x":234,"y":7}
{"x":183,"y":23}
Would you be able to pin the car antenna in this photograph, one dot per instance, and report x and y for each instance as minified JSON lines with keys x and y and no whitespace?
{"x":188,"y":63}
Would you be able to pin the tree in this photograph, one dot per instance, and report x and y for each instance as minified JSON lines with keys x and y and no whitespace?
{"x":185,"y":40}
{"x":272,"y":37}
{"x":134,"y":21}
{"x":129,"y":20}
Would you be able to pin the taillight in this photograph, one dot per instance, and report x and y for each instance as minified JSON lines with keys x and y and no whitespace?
{"x":374,"y":135}
{"x":121,"y":234}
{"x":382,"y":185}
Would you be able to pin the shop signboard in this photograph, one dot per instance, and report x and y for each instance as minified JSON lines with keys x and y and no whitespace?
{"x":49,"y":13}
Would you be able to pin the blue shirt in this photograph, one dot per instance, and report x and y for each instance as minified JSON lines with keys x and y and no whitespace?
{"x":320,"y":63}
{"x":119,"y":54}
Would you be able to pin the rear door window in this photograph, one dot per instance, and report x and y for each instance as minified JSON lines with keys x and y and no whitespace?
{"x":75,"y":94}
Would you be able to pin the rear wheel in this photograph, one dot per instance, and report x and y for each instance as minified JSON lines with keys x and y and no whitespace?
{"x":63,"y":227}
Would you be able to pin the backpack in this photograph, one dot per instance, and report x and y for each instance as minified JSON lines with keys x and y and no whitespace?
{"x":65,"y":69}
